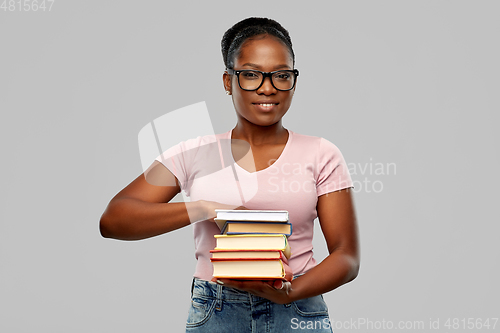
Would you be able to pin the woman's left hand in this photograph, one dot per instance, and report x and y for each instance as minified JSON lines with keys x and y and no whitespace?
{"x":273,"y":290}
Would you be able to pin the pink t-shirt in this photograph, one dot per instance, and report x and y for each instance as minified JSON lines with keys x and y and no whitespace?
{"x":307,"y":168}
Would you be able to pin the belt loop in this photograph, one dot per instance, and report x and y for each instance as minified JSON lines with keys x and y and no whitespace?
{"x":219,"y":297}
{"x":192,"y":287}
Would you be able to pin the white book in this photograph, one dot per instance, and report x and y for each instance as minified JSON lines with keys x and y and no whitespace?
{"x":252,"y":215}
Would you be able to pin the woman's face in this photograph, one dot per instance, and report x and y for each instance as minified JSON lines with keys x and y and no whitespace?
{"x":264,"y":54}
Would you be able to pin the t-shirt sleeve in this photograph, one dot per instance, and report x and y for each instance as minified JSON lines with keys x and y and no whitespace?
{"x":333,"y":172}
{"x":174,"y":159}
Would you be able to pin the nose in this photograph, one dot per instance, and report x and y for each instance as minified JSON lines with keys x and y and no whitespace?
{"x":267,"y":87}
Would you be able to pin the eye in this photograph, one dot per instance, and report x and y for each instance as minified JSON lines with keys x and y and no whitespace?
{"x":284,"y":76}
{"x":250,"y":75}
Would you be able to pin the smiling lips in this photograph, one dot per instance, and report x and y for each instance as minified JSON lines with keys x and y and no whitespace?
{"x":266,"y":106}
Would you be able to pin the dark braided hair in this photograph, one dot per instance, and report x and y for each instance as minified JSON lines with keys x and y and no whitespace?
{"x":248,"y":28}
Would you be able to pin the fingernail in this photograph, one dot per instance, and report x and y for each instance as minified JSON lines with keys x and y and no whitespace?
{"x":219,"y":282}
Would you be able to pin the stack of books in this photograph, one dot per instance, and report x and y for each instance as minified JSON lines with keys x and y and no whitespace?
{"x":253,"y":244}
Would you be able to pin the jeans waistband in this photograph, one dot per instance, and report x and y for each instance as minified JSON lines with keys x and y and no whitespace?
{"x":211,"y":290}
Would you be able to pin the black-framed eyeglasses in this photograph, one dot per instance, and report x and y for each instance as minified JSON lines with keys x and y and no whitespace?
{"x":250,"y":79}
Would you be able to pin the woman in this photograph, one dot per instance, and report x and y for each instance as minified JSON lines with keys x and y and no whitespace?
{"x":305,"y":175}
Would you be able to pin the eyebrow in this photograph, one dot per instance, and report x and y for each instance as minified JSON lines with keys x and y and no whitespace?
{"x":258,"y":67}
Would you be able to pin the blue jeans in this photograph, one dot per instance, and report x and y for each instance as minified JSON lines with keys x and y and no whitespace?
{"x":218,"y":309}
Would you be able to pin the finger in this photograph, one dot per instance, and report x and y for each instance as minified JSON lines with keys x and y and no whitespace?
{"x":252,"y":286}
{"x":278,"y":284}
{"x":231,"y":283}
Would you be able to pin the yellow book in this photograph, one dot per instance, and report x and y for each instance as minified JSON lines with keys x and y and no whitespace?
{"x":254,"y":242}
{"x":252,"y":269}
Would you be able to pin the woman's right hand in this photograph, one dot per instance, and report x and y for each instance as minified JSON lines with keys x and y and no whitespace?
{"x":209,"y":208}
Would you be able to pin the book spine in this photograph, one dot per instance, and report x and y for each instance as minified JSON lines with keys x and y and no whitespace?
{"x":253,"y":233}
{"x":287,"y":271}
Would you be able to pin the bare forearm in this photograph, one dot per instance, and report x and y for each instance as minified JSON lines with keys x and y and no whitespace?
{"x":132,"y":219}
{"x":335,"y":270}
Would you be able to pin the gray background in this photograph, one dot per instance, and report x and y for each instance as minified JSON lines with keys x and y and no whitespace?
{"x":414,"y":83}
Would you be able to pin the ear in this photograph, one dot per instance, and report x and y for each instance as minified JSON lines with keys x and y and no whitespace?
{"x":226,"y":81}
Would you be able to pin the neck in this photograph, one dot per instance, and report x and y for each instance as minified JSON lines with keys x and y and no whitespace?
{"x":260,"y":135}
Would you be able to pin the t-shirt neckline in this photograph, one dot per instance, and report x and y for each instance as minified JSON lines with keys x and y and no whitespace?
{"x":283,"y":152}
